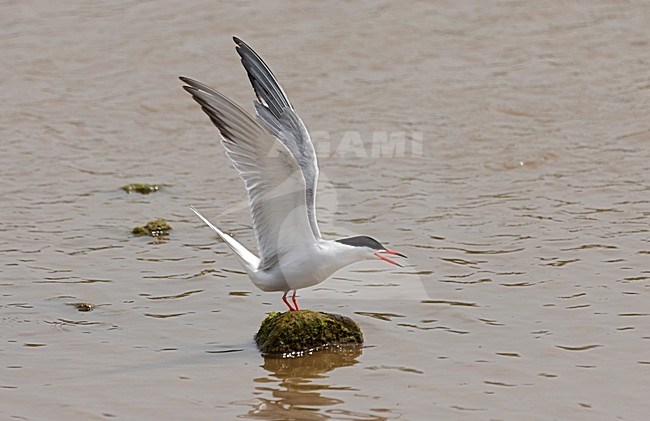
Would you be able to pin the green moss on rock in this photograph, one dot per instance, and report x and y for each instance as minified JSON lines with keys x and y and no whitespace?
{"x":294,"y":332}
{"x":140,"y":231}
{"x":154,"y":228}
{"x":140,"y":188}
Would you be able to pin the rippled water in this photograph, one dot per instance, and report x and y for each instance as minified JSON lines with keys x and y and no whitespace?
{"x":522,"y":198}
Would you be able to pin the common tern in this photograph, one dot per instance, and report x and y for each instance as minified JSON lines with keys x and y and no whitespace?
{"x":275,"y":159}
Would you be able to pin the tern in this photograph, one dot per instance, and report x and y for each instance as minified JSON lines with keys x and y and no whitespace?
{"x":275,"y":159}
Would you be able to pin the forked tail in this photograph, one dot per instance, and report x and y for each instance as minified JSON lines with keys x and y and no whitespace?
{"x":247,"y":259}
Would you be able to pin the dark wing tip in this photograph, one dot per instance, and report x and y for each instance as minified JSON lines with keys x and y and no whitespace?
{"x":241,"y":45}
{"x":190,"y":82}
{"x":190,"y":89}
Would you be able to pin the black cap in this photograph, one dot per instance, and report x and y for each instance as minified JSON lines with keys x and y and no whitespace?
{"x":362,"y":241}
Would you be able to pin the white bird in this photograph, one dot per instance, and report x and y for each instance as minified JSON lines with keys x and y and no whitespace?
{"x":275,"y":158}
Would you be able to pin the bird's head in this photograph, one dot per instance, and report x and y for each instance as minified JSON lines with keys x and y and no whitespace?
{"x":368,"y":248}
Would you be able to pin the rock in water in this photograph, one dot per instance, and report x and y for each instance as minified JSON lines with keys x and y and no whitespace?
{"x":294,"y":332}
{"x":157,"y":228}
{"x":140,"y":188}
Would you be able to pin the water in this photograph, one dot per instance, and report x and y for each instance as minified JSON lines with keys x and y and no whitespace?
{"x":525,"y":214}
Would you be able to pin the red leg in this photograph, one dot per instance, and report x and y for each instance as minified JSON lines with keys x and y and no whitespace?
{"x":293,"y":298}
{"x":284,"y":298}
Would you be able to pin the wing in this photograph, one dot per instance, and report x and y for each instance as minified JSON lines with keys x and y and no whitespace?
{"x":273,"y":180}
{"x":277,"y":115}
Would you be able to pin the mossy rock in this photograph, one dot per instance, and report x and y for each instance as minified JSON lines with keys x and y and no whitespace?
{"x":154,"y":228}
{"x":141,"y":188}
{"x":83,"y":306}
{"x":294,"y":332}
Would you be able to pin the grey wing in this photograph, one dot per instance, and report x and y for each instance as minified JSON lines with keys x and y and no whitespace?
{"x":277,"y":115}
{"x":272,"y":176}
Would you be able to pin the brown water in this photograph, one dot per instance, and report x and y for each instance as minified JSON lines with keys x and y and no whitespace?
{"x":525,"y":213}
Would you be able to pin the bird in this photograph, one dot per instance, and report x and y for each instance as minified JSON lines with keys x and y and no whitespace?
{"x":275,"y":158}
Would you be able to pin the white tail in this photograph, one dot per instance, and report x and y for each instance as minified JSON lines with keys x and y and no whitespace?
{"x":246,"y":258}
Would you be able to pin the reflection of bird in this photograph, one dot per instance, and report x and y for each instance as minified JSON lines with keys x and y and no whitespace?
{"x":276,"y":160}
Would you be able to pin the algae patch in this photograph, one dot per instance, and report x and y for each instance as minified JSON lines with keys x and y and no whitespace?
{"x":294,"y":332}
{"x":141,"y":188}
{"x":156,"y":228}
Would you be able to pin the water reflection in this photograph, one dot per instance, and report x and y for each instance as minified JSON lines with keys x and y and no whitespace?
{"x":297,"y":388}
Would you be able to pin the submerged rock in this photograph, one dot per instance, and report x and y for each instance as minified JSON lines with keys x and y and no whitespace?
{"x":294,"y":332}
{"x":140,"y":188}
{"x":154,"y":228}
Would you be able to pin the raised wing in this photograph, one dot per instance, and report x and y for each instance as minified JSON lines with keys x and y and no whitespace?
{"x":273,"y":180}
{"x":277,"y":115}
